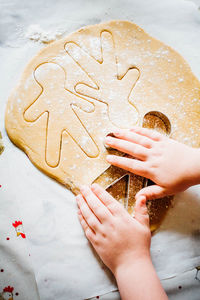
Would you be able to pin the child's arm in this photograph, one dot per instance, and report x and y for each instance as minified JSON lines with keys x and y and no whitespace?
{"x":171,"y":165}
{"x":122,"y":242}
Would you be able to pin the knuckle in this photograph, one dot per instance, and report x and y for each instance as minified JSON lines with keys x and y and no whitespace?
{"x":98,"y":211}
{"x":148,"y":144}
{"x":157,"y":136}
{"x":143,"y":141}
{"x":103,"y":233}
{"x":144,"y":154}
{"x":112,"y":206}
{"x":95,"y":239}
{"x":95,"y":207}
{"x":91,"y":222}
{"x":154,"y":152}
{"x":91,"y":237}
{"x":116,"y":208}
{"x":149,"y":165}
{"x":112,"y":226}
{"x":146,"y":172}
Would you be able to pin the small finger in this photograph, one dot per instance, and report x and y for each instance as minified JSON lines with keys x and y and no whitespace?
{"x":152,"y":134}
{"x":88,"y":232}
{"x":87,"y":214}
{"x":152,"y":192}
{"x":95,"y":204}
{"x":132,"y":165}
{"x":112,"y":204}
{"x":141,"y":212}
{"x":133,"y":137}
{"x":130,"y":148}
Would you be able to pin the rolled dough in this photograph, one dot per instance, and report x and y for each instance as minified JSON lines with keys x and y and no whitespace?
{"x":1,"y":144}
{"x":78,"y":89}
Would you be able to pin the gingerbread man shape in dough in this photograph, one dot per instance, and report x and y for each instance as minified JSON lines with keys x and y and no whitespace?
{"x":58,"y":102}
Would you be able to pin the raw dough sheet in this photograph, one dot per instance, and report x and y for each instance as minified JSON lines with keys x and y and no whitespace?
{"x":64,"y":264}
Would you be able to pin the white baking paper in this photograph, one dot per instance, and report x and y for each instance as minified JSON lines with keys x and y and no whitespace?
{"x":64,"y":264}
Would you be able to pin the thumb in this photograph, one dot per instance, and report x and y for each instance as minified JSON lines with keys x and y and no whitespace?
{"x":141,"y":212}
{"x":152,"y":192}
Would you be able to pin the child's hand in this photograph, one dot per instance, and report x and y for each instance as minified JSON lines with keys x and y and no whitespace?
{"x":118,"y":238}
{"x":171,"y":165}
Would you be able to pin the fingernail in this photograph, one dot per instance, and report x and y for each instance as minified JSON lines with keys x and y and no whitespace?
{"x":109,"y":158}
{"x":107,"y":139}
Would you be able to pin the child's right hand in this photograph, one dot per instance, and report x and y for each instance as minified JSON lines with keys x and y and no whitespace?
{"x":171,"y":165}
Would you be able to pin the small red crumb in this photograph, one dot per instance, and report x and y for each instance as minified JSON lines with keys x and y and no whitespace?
{"x":7,"y":238}
{"x":0,"y":185}
{"x":180,"y":287}
{"x":16,"y":294}
{"x":2,"y":270}
{"x":97,"y":297}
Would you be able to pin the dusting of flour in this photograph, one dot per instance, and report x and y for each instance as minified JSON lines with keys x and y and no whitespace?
{"x":36,"y":33}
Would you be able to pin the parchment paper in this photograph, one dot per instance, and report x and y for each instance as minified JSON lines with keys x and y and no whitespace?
{"x":64,"y":264}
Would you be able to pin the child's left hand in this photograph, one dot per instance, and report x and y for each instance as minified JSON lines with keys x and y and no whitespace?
{"x":118,"y":238}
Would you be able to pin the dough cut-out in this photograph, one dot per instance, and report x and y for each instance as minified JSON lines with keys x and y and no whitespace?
{"x":109,"y":86}
{"x":79,"y":89}
{"x":58,"y":103}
